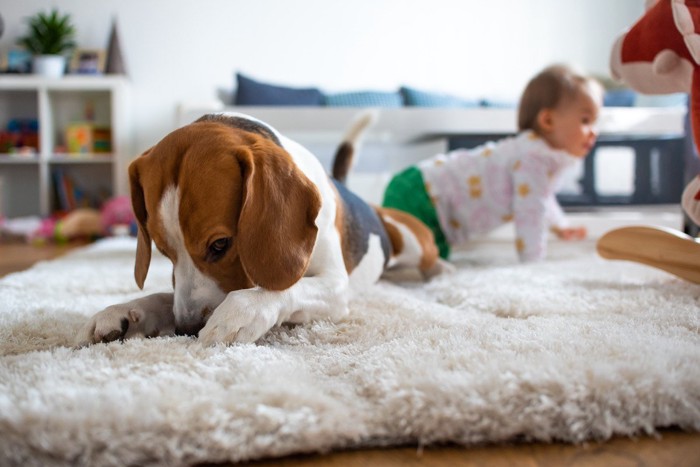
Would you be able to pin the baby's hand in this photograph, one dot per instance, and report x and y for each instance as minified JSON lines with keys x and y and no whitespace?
{"x":570,"y":233}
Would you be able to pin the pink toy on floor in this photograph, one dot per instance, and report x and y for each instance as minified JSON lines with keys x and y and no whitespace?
{"x":116,"y":212}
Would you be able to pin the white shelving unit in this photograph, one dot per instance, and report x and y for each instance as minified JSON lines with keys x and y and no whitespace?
{"x":27,"y":181}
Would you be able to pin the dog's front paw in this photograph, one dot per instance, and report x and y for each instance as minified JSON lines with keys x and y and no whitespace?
{"x":108,"y":325}
{"x":146,"y":317}
{"x":244,"y":316}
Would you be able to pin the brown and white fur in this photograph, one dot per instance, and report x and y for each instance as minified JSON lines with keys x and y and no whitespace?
{"x":258,"y":235}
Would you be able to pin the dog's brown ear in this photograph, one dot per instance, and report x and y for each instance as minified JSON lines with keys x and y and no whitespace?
{"x":277,"y":226}
{"x":143,"y":242}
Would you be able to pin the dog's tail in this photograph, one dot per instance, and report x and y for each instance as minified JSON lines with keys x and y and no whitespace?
{"x":344,"y":155}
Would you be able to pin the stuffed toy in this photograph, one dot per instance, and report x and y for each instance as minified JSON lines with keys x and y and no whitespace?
{"x":115,"y":217}
{"x":81,"y":223}
{"x":661,"y":54}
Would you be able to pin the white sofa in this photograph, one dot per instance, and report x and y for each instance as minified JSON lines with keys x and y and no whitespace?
{"x":403,"y":136}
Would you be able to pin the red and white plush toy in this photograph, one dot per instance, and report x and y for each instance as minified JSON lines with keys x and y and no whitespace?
{"x":661,"y":54}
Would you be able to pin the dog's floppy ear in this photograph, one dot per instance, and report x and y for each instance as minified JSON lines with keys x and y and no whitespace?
{"x":138,"y":202}
{"x":277,"y":225}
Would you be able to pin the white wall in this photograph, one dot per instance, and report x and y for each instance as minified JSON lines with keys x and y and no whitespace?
{"x":180,"y":50}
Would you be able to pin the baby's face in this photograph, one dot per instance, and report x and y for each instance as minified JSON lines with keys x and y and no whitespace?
{"x":574,"y":124}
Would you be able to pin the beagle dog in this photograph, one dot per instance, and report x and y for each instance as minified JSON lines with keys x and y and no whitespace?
{"x":258,"y":234}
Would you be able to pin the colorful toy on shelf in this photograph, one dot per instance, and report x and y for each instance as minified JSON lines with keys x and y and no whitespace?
{"x":661,"y":54}
{"x":88,"y":138}
{"x":20,"y":136}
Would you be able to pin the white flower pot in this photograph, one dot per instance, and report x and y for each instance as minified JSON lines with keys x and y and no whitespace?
{"x":50,"y":66}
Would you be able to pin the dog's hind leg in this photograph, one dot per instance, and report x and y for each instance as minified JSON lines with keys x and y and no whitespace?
{"x":412,"y":244}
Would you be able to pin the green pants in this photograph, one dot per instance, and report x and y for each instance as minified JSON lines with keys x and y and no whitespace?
{"x":406,"y":192}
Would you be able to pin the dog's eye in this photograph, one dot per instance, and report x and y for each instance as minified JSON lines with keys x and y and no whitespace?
{"x":220,"y":245}
{"x":218,"y":248}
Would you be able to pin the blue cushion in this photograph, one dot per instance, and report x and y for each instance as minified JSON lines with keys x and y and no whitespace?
{"x":251,"y":92}
{"x":619,"y":98}
{"x":364,"y":99}
{"x":498,"y":104}
{"x":416,"y":97}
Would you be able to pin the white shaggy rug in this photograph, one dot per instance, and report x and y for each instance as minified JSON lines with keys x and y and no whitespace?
{"x":575,"y":348}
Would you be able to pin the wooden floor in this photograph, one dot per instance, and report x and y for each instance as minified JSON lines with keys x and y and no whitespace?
{"x":20,"y":256}
{"x":672,"y":448}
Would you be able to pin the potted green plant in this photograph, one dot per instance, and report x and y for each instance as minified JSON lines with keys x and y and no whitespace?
{"x":50,"y":37}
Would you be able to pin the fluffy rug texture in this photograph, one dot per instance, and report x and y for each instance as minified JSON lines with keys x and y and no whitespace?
{"x":574,"y":348}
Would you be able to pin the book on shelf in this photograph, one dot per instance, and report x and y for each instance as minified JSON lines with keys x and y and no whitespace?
{"x":69,"y":194}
